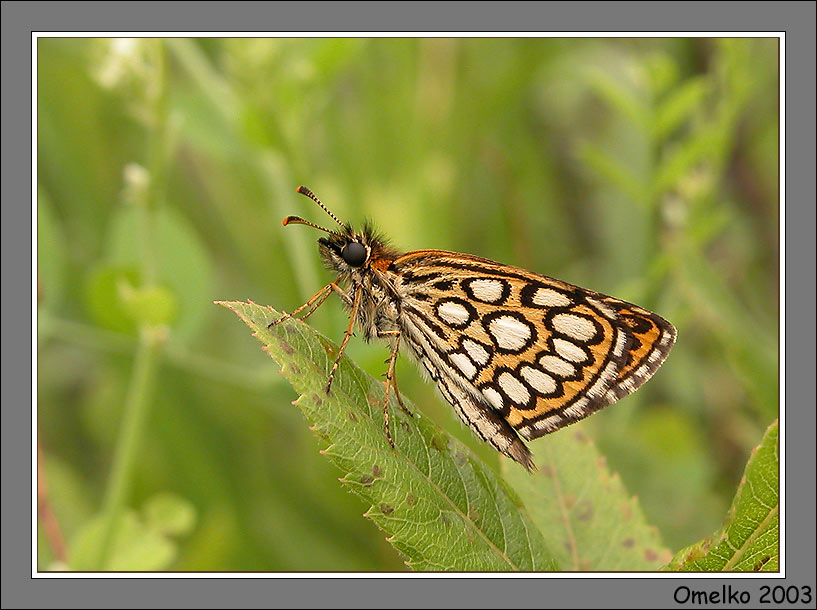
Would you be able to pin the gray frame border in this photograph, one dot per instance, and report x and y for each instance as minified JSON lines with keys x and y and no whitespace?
{"x":20,"y":18}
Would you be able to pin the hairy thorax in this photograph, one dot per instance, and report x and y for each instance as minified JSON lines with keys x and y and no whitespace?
{"x":377,"y":316}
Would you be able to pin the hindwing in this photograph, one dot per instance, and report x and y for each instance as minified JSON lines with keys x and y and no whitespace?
{"x":514,"y":350}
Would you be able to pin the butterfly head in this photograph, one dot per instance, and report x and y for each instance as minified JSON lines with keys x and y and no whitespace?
{"x":345,"y":251}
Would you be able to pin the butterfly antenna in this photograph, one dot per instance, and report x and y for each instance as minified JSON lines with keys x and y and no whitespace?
{"x":297,"y":220}
{"x":305,"y":191}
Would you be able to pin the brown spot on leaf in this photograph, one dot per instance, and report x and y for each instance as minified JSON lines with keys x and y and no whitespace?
{"x":628,"y":543}
{"x":438,"y":443}
{"x":546,"y":471}
{"x":581,"y":437}
{"x":286,"y":347}
{"x":584,"y":511}
{"x":626,"y":511}
{"x":757,"y":567}
{"x":377,"y":471}
{"x":352,"y":416}
{"x":386,"y":509}
{"x":411,"y":500}
{"x":317,"y":400}
{"x":329,"y":348}
{"x":366,"y":480}
{"x":650,"y":555}
{"x":723,"y":537}
{"x":294,"y":370}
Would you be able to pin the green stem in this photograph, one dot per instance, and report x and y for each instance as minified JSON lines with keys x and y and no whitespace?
{"x":157,"y":166}
{"x":137,"y":407}
{"x":151,"y":338}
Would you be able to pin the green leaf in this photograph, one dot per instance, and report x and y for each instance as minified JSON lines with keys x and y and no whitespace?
{"x":698,"y":148}
{"x":753,"y":355}
{"x":136,"y":546}
{"x":183,"y":265}
{"x":143,"y":541}
{"x":169,"y":514}
{"x":749,"y":539}
{"x":617,"y":94}
{"x":103,"y":296}
{"x":613,"y":171}
{"x":662,"y":72}
{"x":591,"y":522}
{"x":439,"y":504}
{"x":678,"y":106}
{"x":51,"y":252}
{"x":149,"y":305}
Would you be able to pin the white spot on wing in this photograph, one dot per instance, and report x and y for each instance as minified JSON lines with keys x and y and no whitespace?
{"x":547,"y":297}
{"x":569,"y":351}
{"x":509,"y":332}
{"x":599,"y":386}
{"x":494,"y":397}
{"x":549,"y":423}
{"x":576,"y":410}
{"x":477,"y":353}
{"x":603,"y":308}
{"x":574,"y":326}
{"x":453,"y":313}
{"x":621,"y":339}
{"x":488,"y":291}
{"x":539,"y":381}
{"x":462,"y":362}
{"x":557,"y":366}
{"x":513,"y":388}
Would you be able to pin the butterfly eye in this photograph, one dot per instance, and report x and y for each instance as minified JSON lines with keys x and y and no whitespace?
{"x":354,"y":254}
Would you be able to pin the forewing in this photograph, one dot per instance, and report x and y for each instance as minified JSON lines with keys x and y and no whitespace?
{"x":538,"y":352}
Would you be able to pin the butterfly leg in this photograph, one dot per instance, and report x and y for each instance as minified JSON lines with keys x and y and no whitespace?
{"x":393,"y":371}
{"x":390,"y":379}
{"x":347,"y":300}
{"x":397,"y":394}
{"x":346,"y":336}
{"x":315,"y":301}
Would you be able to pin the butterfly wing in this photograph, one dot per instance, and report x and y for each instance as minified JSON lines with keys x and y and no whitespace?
{"x":513,"y":351}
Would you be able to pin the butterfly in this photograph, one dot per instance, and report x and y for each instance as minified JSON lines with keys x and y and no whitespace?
{"x":517,"y":354}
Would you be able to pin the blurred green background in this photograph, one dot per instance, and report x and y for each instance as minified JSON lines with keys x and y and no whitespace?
{"x":643,"y":168}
